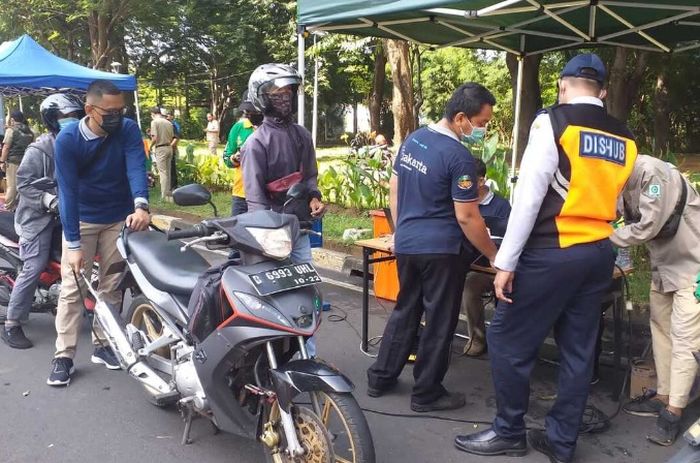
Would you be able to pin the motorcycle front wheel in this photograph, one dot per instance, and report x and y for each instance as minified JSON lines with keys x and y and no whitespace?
{"x":337,"y":434}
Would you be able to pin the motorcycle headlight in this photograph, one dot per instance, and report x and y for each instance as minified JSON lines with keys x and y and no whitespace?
{"x":275,"y":242}
{"x":262,"y":309}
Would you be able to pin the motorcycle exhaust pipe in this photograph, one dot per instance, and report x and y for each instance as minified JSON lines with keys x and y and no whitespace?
{"x":108,"y":320}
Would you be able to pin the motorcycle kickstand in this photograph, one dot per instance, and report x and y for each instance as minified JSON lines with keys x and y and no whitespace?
{"x":187,"y":415}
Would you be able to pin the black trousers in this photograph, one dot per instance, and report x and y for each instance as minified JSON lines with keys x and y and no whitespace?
{"x":558,"y":289}
{"x":430,"y":284}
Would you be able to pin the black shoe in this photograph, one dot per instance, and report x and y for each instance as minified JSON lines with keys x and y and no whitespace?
{"x":61,"y":369}
{"x":15,"y":338}
{"x":538,"y":441}
{"x":666,"y":429}
{"x":644,"y":405}
{"x":449,"y":401}
{"x":380,"y":391}
{"x":106,"y":357}
{"x":489,"y":443}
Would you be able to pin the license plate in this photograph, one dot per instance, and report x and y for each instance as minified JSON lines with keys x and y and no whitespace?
{"x":284,"y":278}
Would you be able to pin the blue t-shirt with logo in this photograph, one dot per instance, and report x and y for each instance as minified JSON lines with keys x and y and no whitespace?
{"x":434,"y":170}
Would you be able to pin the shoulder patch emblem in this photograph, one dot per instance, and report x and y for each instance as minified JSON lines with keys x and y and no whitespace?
{"x":465,"y":182}
{"x":654,"y":190}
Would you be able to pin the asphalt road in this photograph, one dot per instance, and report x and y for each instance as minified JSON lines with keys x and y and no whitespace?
{"x":103,"y":417}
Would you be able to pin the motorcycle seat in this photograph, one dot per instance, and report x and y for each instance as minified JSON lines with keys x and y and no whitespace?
{"x":7,"y":226}
{"x":163,"y":264}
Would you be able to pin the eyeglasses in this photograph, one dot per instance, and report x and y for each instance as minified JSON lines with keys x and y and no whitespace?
{"x":111,"y":112}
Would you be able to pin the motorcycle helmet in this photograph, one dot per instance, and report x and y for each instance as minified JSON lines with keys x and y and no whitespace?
{"x":57,"y":106}
{"x":267,"y":78}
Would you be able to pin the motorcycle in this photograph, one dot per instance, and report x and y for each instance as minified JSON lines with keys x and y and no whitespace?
{"x":49,"y":287}
{"x":241,"y":363}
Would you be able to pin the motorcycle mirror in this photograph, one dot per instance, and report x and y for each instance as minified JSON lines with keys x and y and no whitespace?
{"x":44,"y":184}
{"x":193,"y":194}
{"x":297,"y":191}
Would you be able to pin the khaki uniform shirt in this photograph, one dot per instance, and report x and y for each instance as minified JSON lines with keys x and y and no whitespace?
{"x":649,"y":198}
{"x":163,"y":131}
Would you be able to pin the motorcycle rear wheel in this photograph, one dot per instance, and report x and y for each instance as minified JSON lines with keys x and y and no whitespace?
{"x":343,"y":419}
{"x":142,"y":315}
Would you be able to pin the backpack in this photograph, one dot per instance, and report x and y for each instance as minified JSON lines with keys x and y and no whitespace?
{"x":206,"y":308}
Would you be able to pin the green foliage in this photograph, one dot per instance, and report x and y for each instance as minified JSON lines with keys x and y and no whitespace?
{"x":209,"y":171}
{"x":497,"y":168}
{"x":361,"y":181}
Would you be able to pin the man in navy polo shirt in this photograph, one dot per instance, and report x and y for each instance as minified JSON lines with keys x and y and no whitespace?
{"x":434,"y":197}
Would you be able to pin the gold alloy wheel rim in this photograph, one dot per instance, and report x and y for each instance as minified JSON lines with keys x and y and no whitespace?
{"x":328,"y":406}
{"x":144,"y":317}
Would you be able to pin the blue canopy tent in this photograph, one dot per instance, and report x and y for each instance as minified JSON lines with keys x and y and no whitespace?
{"x":27,"y":68}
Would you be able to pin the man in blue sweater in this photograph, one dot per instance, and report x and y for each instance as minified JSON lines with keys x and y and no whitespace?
{"x":102,"y":185}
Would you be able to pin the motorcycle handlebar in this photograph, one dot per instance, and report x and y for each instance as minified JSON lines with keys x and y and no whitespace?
{"x":196,"y":231}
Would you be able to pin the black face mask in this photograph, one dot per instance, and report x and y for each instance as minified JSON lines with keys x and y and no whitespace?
{"x":256,"y":119}
{"x":283,"y":105}
{"x":111,"y":123}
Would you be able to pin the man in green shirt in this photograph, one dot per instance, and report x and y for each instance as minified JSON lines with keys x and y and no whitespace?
{"x":251,"y":118}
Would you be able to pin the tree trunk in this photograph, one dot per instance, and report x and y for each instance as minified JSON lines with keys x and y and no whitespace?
{"x":662,"y":106}
{"x":377,"y":94}
{"x":531,"y":94}
{"x":402,"y":101}
{"x":624,"y":82}
{"x":104,"y":25}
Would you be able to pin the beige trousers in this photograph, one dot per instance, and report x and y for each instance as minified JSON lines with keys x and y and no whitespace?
{"x":164,"y":156}
{"x":213,"y":144}
{"x":675,"y":335}
{"x":475,"y":285}
{"x":95,"y":239}
{"x":11,"y":182}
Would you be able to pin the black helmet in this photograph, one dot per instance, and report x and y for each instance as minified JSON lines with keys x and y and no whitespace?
{"x":267,"y":78}
{"x":55,"y":106}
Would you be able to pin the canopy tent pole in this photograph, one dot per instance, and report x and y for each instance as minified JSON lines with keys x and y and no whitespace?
{"x":314,"y":112}
{"x":138,"y":110}
{"x":300,"y":69}
{"x":516,"y":125}
{"x":20,"y":103}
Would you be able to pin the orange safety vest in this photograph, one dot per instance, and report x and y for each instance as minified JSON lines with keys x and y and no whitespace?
{"x":596,"y":156}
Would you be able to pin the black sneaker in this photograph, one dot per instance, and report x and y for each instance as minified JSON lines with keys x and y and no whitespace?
{"x":449,"y":401}
{"x":106,"y":357}
{"x":644,"y":405}
{"x":14,"y":337}
{"x":61,"y":369}
{"x":666,"y":429}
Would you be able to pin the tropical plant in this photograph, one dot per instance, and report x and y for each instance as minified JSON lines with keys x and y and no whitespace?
{"x":361,"y":181}
{"x":497,"y":168}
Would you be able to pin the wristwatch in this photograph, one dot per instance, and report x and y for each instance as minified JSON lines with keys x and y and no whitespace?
{"x":143,"y":206}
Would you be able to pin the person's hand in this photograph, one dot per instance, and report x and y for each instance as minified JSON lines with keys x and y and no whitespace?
{"x":503,"y":284}
{"x":139,"y":220}
{"x":75,"y":260}
{"x":317,"y":208}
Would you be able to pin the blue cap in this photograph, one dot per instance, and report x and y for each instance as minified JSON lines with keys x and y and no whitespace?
{"x":586,"y":66}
